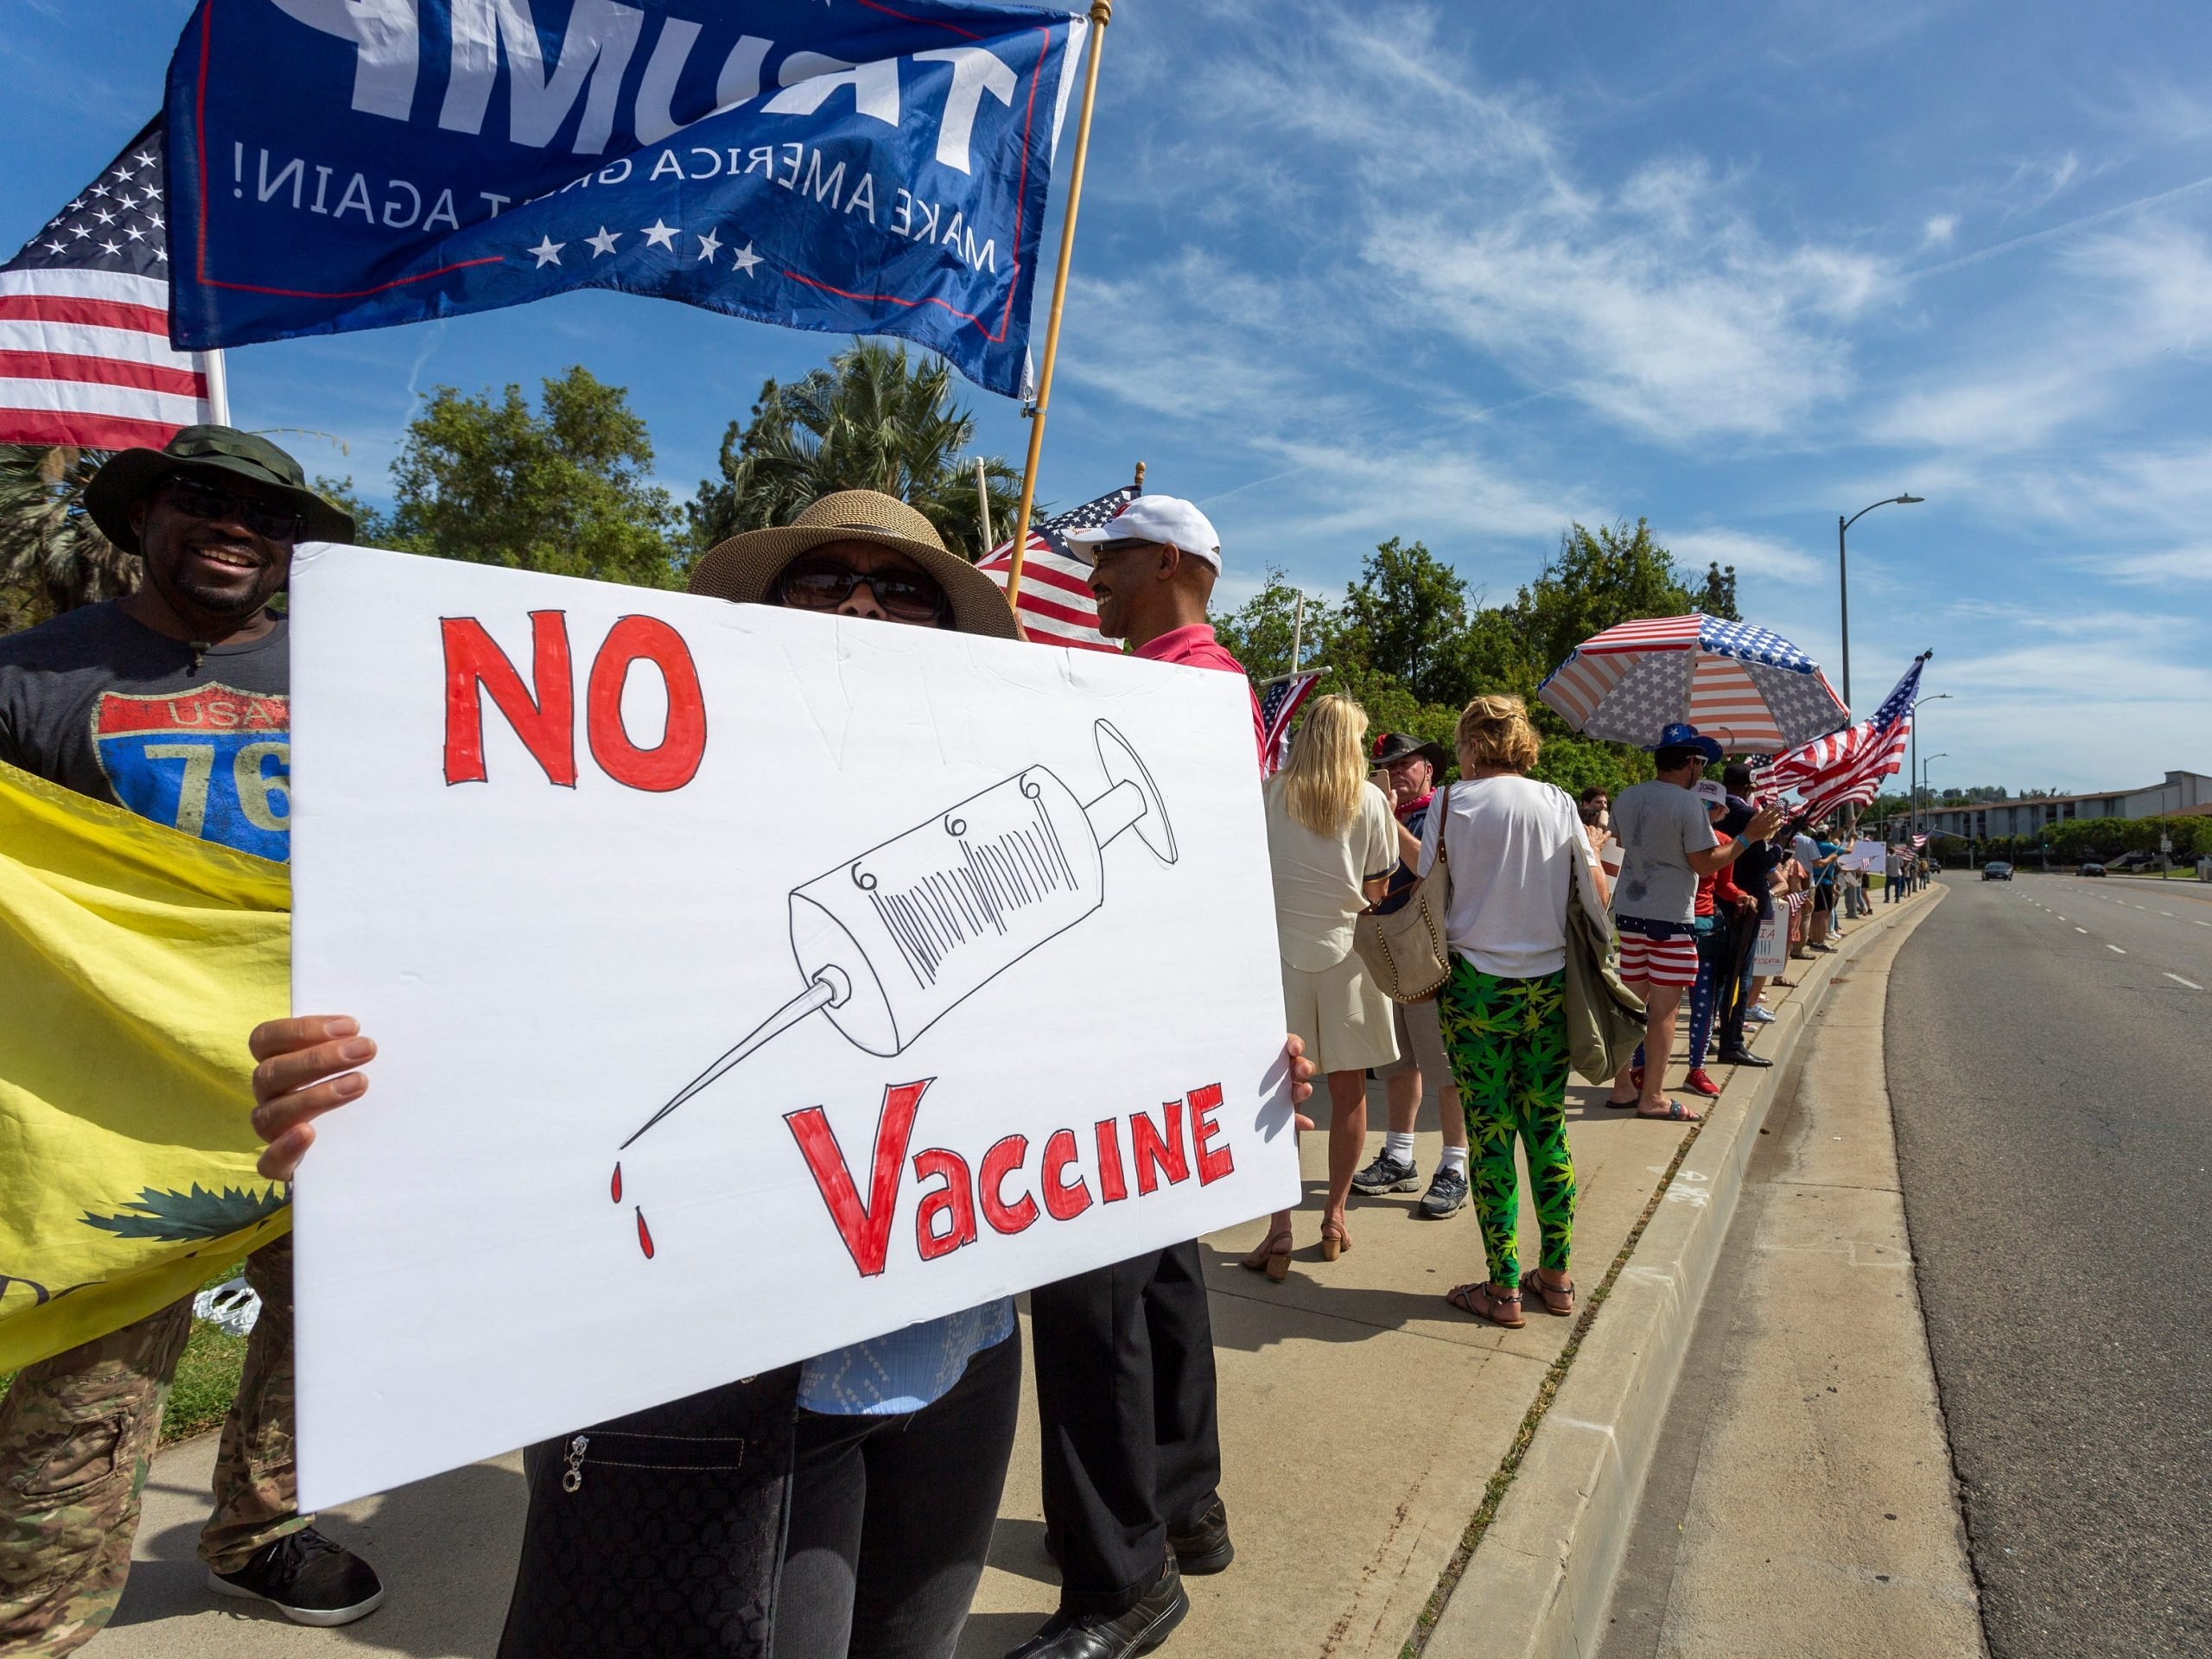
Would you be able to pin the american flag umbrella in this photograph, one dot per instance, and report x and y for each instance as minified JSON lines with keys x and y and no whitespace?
{"x":1746,"y":686}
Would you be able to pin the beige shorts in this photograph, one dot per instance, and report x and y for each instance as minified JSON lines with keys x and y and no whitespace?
{"x":1340,"y":1014}
{"x":1420,"y":1043}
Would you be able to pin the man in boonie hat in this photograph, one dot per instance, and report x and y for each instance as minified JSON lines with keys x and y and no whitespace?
{"x":857,"y":553}
{"x":1407,"y":770}
{"x":173,"y":702}
{"x":1667,"y":833}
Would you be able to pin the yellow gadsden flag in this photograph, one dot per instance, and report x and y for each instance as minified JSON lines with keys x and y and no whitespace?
{"x":133,"y":962}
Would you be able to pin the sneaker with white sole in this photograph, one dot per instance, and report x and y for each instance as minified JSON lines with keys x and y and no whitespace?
{"x":1759,"y":1016}
{"x":307,"y":1578}
{"x":1446,"y":1194}
{"x":1387,"y":1175}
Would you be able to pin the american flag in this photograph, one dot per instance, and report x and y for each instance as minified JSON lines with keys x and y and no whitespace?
{"x":1055,"y":604}
{"x":1845,"y":768}
{"x":1280,"y":699}
{"x":1919,"y":841}
{"x":84,"y":356}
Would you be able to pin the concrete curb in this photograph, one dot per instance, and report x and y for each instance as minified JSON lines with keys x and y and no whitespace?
{"x":1539,"y":1582}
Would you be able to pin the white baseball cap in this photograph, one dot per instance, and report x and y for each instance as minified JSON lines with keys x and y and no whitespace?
{"x":1711,"y":793}
{"x":1163,"y":519}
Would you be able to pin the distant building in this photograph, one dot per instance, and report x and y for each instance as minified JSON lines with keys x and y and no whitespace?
{"x":2183,"y":791}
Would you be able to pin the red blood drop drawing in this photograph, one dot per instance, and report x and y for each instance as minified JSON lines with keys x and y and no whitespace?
{"x":615,"y":1192}
{"x":644,"y":1238}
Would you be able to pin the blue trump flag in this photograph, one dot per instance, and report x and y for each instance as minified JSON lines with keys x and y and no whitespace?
{"x":846,"y":165}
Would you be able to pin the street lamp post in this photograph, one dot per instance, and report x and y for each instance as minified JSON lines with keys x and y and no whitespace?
{"x":1926,"y":820}
{"x":1912,"y":757}
{"x":1843,"y":571}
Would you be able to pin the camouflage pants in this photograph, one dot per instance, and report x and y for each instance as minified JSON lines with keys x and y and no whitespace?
{"x":77,"y":1438}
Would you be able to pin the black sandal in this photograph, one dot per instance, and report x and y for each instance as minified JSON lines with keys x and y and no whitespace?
{"x":1493,"y":1307}
{"x":1675,"y":1113}
{"x":1564,"y":1307}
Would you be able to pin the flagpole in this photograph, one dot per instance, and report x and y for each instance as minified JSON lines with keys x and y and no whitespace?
{"x":219,"y":387}
{"x":1297,"y":630}
{"x":983,"y":503}
{"x":1101,"y":13}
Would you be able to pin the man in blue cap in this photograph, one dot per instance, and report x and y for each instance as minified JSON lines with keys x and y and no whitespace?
{"x":1667,"y":842}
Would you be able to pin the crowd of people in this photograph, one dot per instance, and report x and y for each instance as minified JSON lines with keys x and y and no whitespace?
{"x":844,"y":1505}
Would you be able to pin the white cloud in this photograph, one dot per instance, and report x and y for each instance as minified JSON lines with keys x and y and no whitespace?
{"x":1939,"y":230}
{"x":2174,"y":564}
{"x":1752,"y":555}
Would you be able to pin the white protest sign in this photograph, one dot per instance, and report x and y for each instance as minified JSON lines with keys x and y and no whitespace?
{"x":1770,"y":950}
{"x":1868,"y":857}
{"x":747,"y":982}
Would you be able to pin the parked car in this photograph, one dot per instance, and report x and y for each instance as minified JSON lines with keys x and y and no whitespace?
{"x":2093,"y":869}
{"x":1997,"y":870}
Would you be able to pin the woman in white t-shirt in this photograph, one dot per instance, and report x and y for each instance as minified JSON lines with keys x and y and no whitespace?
{"x":1515,"y":847}
{"x":1332,"y":845}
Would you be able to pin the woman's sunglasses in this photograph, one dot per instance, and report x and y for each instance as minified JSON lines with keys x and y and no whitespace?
{"x":197,"y":500}
{"x":817,"y":583}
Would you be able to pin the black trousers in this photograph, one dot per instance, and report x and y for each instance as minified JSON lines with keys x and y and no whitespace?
{"x":1125,"y":1395}
{"x":1742,"y":937}
{"x":891,"y":1520}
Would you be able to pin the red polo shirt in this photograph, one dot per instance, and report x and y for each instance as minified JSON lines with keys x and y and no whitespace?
{"x":1196,"y":647}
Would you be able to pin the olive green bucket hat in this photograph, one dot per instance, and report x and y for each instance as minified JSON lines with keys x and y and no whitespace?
{"x":219,"y":455}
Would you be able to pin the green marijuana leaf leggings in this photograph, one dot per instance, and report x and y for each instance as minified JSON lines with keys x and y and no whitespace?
{"x":1507,"y":1039}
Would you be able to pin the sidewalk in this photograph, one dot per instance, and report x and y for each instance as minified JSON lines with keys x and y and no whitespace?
{"x":1361,"y":1419}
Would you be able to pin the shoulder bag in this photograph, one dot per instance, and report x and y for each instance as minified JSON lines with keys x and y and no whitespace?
{"x":1404,"y":951}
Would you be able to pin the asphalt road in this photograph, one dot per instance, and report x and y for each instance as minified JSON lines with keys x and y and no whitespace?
{"x":2051,"y":1076}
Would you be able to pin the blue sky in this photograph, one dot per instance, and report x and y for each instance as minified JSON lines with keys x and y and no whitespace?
{"x":1468,"y":272}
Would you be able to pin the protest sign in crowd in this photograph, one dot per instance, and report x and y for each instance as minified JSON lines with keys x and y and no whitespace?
{"x":794,"y":1445}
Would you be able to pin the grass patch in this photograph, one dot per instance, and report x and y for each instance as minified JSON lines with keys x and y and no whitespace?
{"x":207,"y":1376}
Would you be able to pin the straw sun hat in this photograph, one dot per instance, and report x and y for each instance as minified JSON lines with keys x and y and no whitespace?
{"x":745,"y":568}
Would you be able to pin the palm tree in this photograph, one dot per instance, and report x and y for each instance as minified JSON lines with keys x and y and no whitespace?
{"x":52,"y":556}
{"x":875,"y":419}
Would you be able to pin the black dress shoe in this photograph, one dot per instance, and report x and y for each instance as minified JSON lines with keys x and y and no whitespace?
{"x":1201,"y":1545}
{"x":1118,"y":1636}
{"x":1743,"y":1057}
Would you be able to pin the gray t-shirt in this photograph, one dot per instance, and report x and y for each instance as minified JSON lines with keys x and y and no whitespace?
{"x":102,"y":705}
{"x":1660,"y":825}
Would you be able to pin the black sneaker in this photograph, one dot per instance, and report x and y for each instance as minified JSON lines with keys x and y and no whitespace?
{"x":1122,"y":1636}
{"x":1201,"y":1545}
{"x":308,"y":1578}
{"x":1387,"y":1175}
{"x":1446,"y":1194}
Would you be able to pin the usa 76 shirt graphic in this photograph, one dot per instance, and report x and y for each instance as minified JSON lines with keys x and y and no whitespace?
{"x":214,"y":762}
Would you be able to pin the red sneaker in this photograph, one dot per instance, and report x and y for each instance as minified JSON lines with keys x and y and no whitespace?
{"x":1699,"y":1084}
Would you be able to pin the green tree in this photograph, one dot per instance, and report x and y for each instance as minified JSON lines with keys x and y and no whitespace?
{"x":1259,"y":633}
{"x":564,"y":489}
{"x":52,"y":557}
{"x":1717,"y":596}
{"x":1598,"y":579}
{"x":1407,"y":617}
{"x":875,"y":419}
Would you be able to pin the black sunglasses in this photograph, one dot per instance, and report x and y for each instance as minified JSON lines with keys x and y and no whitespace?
{"x":818,"y":583}
{"x":196,"y":499}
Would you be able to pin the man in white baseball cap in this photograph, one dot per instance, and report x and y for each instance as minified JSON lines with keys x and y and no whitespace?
{"x":1153,"y":567}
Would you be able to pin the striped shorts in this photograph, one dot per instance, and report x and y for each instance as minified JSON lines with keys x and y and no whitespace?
{"x":1663,"y":962}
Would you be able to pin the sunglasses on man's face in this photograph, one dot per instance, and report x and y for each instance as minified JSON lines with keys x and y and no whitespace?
{"x":823,"y":584}
{"x":197,"y":500}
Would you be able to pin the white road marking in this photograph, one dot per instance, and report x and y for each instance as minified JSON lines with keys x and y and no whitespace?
{"x":2115,"y":949}
{"x":2167,"y":914}
{"x":2078,"y":929}
{"x":2191,"y":984}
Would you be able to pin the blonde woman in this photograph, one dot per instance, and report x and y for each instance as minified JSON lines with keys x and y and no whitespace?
{"x":1332,"y":844}
{"x":1514,"y":846}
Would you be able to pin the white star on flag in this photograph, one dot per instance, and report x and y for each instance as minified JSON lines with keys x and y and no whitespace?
{"x":548,"y":251}
{"x":603,"y":243}
{"x":709,"y":246}
{"x":659,"y":235}
{"x":746,"y":258}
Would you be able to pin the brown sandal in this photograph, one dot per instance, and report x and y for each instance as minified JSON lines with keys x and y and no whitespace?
{"x":1335,"y":1240}
{"x":1485,"y":1303}
{"x":1272,"y":1257}
{"x":1558,"y":1299}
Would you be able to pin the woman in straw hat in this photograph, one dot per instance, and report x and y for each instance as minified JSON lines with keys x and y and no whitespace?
{"x":841,"y":1505}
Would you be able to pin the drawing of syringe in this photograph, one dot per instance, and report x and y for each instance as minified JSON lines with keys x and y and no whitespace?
{"x":890,"y":941}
